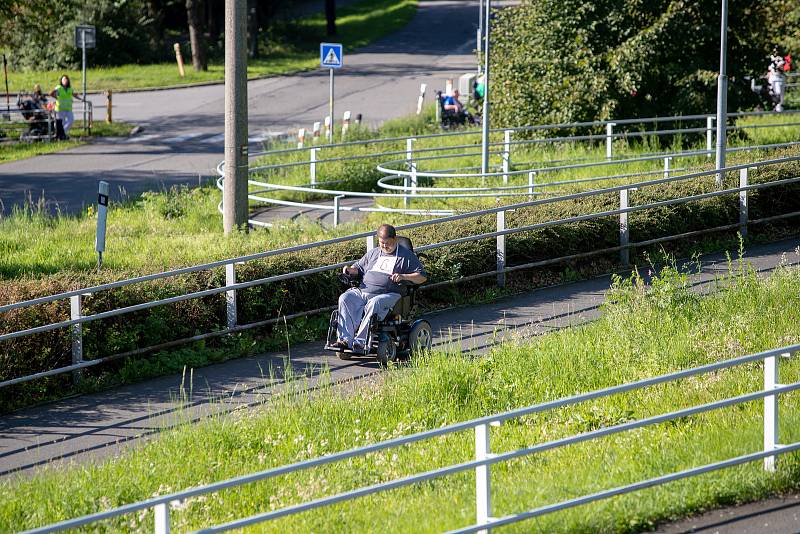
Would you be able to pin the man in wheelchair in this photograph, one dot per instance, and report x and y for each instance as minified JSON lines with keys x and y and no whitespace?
{"x":381,"y":278}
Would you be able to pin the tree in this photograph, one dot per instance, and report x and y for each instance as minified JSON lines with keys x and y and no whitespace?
{"x":196,"y":37}
{"x":572,"y":60}
{"x":330,"y":17}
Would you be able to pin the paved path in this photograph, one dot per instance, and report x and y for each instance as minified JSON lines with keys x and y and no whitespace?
{"x":779,"y":515}
{"x":183,"y":137}
{"x":91,"y":426}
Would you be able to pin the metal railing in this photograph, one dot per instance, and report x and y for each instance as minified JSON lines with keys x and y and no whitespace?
{"x":485,"y":457}
{"x":409,"y":169}
{"x":77,"y":318}
{"x":36,"y":124}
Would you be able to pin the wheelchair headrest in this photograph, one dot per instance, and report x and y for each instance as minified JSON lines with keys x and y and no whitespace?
{"x":405,"y":242}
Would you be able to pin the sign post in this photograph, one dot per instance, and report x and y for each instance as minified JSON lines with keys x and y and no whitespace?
{"x":331,"y":57}
{"x":85,"y":37}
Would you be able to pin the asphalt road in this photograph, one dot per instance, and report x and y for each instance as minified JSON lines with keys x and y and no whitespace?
{"x":183,"y":137}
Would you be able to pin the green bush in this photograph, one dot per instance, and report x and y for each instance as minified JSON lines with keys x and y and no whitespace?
{"x":48,"y":350}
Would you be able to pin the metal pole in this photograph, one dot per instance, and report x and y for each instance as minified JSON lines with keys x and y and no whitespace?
{"x":234,"y":194}
{"x":83,"y":68}
{"x":770,"y":411}
{"x":75,"y":312}
{"x":743,"y":179}
{"x":624,"y":232}
{"x":330,"y":110}
{"x":230,"y":296}
{"x":483,"y":491}
{"x":480,"y":30}
{"x":722,"y":92}
{"x":485,"y":118}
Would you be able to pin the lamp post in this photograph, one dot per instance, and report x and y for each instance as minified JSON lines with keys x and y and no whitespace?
{"x":485,"y":118}
{"x":722,"y":93}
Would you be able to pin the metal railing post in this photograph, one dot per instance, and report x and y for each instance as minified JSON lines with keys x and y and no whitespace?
{"x":336,"y":201}
{"x":624,"y":232}
{"x":709,"y":136}
{"x":667,"y":161}
{"x":162,"y":518}
{"x":610,"y":139}
{"x":501,"y":249}
{"x":483,"y":490}
{"x":506,"y":155}
{"x":770,"y":411}
{"x":743,"y":202}
{"x":77,"y":335}
{"x":370,"y":242}
{"x":412,"y":165}
{"x":312,"y":166}
{"x":230,"y":295}
{"x":531,"y":184}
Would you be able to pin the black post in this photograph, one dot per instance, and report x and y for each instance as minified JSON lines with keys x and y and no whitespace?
{"x":5,"y":74}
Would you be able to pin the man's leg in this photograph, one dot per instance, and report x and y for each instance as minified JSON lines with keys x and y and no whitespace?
{"x":351,"y":307}
{"x":378,"y":305}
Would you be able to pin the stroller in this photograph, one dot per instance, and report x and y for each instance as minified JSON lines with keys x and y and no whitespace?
{"x":40,"y":123}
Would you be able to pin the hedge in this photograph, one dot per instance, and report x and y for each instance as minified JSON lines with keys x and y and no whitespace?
{"x":41,"y":352}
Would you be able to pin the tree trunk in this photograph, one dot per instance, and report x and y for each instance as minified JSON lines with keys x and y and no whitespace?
{"x":330,"y":16}
{"x":252,"y":29}
{"x":196,"y":37}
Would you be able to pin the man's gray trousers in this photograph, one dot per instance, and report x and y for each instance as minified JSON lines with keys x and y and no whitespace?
{"x":356,"y":307}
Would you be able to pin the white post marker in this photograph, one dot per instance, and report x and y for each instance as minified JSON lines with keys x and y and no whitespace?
{"x":301,"y":137}
{"x":328,"y":129}
{"x":421,"y":98}
{"x":316,"y":128}
{"x":345,"y":124}
{"x":331,"y":57}
{"x":102,"y":208}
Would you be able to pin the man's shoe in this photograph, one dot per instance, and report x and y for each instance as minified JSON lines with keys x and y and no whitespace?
{"x":340,"y":345}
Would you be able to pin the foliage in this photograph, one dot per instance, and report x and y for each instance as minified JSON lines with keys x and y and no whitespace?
{"x":559,"y":61}
{"x":41,"y":35}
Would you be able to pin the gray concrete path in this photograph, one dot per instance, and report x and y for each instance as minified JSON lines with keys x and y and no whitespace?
{"x":779,"y":515}
{"x":93,"y":426}
{"x":183,"y":137}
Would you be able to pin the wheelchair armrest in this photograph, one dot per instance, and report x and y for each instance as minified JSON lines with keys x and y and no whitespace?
{"x":350,"y":280}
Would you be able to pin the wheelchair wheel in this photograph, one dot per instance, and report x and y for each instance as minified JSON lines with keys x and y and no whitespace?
{"x":420,"y":337}
{"x":387,"y":350}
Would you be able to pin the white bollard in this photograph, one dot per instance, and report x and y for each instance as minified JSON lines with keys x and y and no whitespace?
{"x":328,"y":133}
{"x":531,"y":184}
{"x":421,"y":98}
{"x":316,"y":131}
{"x":301,"y":137}
{"x":102,"y":214}
{"x":312,"y":165}
{"x":506,"y":155}
{"x":624,"y":232}
{"x":345,"y":124}
{"x":230,"y":295}
{"x":667,"y":161}
{"x":743,"y":179}
{"x":610,"y":139}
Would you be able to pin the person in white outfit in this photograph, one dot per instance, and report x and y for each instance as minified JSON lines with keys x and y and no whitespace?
{"x":776,"y":78}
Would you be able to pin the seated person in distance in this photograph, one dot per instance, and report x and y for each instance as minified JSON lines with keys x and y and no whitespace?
{"x":382,"y":268}
{"x":452,"y":103}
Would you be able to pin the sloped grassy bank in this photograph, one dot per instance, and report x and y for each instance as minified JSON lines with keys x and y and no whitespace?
{"x":120,"y":334}
{"x":643,"y":333}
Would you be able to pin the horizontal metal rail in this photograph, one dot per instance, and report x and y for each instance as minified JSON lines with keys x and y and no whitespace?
{"x":765,"y":393}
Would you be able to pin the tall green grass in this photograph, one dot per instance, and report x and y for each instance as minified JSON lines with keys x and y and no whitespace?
{"x":644,"y":332}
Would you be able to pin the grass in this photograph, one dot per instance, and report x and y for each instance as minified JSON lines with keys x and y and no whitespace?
{"x":644,"y":332}
{"x":357,"y":25}
{"x":15,"y":151}
{"x":188,"y":220}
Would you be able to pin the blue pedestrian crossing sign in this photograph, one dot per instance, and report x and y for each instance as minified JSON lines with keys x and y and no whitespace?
{"x":330,"y":55}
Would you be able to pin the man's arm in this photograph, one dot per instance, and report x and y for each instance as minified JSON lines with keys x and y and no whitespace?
{"x":417,"y":278}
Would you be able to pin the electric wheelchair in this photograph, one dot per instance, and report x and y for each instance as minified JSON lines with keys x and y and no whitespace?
{"x":396,"y":335}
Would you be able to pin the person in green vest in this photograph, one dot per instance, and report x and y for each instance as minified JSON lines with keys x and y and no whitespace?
{"x":63,"y":94}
